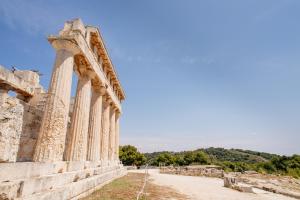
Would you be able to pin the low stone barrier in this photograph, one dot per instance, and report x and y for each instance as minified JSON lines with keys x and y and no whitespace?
{"x":197,"y":170}
{"x":232,"y":182}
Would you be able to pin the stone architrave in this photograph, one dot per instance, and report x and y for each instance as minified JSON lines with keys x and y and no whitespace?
{"x":105,"y":129}
{"x":112,"y":135}
{"x":95,"y":126}
{"x":78,"y":135}
{"x":51,"y":141}
{"x":117,"y":132}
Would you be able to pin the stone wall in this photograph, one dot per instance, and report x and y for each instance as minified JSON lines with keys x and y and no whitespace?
{"x":199,"y":170}
{"x":11,"y":120}
{"x":31,"y":124}
{"x":20,"y":114}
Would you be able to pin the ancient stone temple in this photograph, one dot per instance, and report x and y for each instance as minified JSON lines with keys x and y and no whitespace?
{"x":53,"y":146}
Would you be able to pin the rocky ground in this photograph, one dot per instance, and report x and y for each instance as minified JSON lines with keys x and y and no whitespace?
{"x":244,"y":182}
{"x":278,"y":184}
{"x":208,"y":188}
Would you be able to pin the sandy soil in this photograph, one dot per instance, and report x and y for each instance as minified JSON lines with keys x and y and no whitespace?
{"x":203,"y":188}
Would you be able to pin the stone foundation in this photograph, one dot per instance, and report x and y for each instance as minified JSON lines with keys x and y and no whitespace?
{"x":59,"y":180}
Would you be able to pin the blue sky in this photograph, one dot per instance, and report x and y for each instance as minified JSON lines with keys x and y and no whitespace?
{"x":197,"y":73}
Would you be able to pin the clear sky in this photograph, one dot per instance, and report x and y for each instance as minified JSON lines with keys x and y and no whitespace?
{"x":197,"y":73}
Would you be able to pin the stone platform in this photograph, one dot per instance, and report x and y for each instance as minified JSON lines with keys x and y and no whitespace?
{"x":58,"y":180}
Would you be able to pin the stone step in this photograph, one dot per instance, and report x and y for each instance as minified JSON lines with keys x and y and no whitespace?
{"x":24,"y":170}
{"x":77,"y":189}
{"x":39,"y":184}
{"x":63,"y":175}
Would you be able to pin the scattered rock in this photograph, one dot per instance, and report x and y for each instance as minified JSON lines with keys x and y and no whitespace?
{"x":231,"y":182}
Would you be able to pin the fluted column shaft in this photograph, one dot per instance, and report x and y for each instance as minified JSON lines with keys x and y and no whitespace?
{"x":112,"y":135}
{"x":105,"y":129}
{"x":51,"y":141}
{"x":95,"y":126}
{"x":77,"y":145}
{"x":117,"y":140}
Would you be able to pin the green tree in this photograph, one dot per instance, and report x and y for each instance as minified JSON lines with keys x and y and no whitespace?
{"x":179,"y":160}
{"x":189,"y":157}
{"x":129,"y":155}
{"x":165,"y":159}
{"x":201,"y":158}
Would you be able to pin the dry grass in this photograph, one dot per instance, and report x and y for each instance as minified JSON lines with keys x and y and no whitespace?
{"x":127,"y":187}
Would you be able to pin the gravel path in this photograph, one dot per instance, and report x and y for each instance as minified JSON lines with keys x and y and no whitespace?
{"x":203,"y":188}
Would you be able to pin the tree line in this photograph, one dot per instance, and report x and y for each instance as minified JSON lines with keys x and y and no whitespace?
{"x":230,"y":160}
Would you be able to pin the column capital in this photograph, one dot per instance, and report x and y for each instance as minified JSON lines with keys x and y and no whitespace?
{"x":101,"y":90}
{"x":113,"y":107}
{"x":118,"y":113}
{"x":107,"y":99}
{"x":62,"y":44}
{"x":83,"y":72}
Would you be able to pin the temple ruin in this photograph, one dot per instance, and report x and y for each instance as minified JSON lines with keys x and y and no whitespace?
{"x":50,"y":146}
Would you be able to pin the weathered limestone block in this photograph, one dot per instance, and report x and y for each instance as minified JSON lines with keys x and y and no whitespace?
{"x":229,"y":181}
{"x":243,"y":188}
{"x":39,"y":100}
{"x":232,"y":182}
{"x":11,"y":117}
{"x":52,"y":179}
{"x":15,"y":82}
{"x":29,"y":76}
{"x":27,"y":170}
{"x":75,"y":25}
{"x":3,"y":95}
{"x":9,"y":190}
{"x":30,"y":129}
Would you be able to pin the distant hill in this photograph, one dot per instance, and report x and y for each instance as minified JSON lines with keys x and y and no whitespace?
{"x":222,"y":154}
{"x":238,"y":155}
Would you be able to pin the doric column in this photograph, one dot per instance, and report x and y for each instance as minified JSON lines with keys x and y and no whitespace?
{"x":95,"y":126}
{"x":117,"y":132}
{"x":51,"y":141}
{"x":105,"y":128}
{"x":78,"y":135}
{"x":112,"y":135}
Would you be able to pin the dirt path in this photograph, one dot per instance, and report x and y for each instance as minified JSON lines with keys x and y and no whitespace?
{"x":203,"y":188}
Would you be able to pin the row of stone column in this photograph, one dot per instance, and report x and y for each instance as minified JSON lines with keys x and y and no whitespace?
{"x":94,"y":131}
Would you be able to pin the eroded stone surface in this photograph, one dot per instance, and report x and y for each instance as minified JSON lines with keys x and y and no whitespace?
{"x":11,"y":120}
{"x":32,"y":118}
{"x":51,"y":142}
